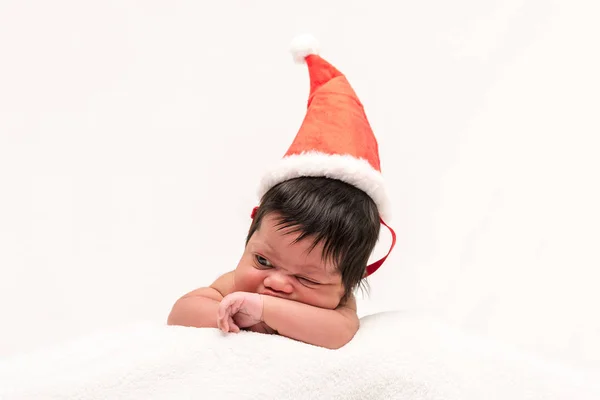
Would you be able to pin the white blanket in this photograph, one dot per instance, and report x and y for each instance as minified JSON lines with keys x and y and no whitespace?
{"x":393,"y":356}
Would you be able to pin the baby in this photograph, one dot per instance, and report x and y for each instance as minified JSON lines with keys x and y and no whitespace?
{"x":311,"y":236}
{"x":306,"y":251}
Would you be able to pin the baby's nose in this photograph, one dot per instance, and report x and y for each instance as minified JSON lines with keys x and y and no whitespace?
{"x":278,"y":282}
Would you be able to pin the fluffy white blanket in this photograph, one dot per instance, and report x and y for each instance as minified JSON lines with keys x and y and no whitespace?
{"x":393,"y":356}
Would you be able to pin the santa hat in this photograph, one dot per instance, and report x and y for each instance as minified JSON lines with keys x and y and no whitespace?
{"x":335,"y":139}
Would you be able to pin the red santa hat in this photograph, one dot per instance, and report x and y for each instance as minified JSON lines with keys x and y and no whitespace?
{"x":335,"y":139}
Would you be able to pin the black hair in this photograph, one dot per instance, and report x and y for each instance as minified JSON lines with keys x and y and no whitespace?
{"x":336,"y":213}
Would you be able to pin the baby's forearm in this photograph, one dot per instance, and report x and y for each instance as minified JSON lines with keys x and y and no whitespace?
{"x":197,"y":309}
{"x":318,"y":326}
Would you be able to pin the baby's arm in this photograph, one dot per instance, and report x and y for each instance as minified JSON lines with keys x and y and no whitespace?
{"x":299,"y":321}
{"x":303,"y":322}
{"x":199,"y":307}
{"x":318,"y":326}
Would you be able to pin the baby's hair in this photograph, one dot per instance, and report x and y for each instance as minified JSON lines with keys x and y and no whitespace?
{"x":338,"y":214}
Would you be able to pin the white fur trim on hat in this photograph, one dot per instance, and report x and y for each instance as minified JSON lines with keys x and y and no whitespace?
{"x":303,"y":46}
{"x":352,"y":170}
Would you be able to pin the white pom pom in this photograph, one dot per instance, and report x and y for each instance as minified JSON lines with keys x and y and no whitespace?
{"x":302,"y":46}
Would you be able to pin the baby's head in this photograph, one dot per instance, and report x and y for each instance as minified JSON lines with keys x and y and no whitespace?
{"x":310,"y":241}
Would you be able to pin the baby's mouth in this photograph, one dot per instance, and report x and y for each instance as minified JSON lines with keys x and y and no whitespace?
{"x":272,"y":294}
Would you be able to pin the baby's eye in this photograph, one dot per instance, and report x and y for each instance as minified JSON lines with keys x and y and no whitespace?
{"x":263,"y":261}
{"x":307,"y":282}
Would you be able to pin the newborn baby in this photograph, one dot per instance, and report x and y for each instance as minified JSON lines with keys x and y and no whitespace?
{"x":311,"y":236}
{"x":306,"y":250}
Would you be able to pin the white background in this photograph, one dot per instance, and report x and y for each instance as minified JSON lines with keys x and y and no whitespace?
{"x":133,"y":135}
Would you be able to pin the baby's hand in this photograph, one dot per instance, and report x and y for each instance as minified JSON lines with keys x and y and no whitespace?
{"x":261,"y":327}
{"x":239,"y":310}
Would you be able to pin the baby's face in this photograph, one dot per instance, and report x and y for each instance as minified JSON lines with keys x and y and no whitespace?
{"x":273,"y":264}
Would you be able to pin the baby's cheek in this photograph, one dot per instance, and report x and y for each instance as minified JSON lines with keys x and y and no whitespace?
{"x":333,"y":300}
{"x":248,"y":281}
{"x":333,"y":303}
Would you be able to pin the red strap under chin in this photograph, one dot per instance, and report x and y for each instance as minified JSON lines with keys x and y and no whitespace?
{"x":375,"y":266}
{"x":370,"y":268}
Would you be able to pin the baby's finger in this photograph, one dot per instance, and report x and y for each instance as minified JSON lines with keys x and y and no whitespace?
{"x":222,"y":310}
{"x":222,"y":320}
{"x":220,"y":323}
{"x":224,"y":326}
{"x":232,"y":325}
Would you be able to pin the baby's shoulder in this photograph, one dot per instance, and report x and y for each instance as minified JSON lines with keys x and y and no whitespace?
{"x":224,"y":284}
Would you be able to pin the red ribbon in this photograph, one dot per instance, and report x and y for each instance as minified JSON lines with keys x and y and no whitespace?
{"x":375,"y":266}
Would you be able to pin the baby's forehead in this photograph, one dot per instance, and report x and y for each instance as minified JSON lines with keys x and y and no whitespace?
{"x":291,"y":240}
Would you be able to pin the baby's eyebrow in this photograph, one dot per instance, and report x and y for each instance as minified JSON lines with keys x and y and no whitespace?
{"x":262,"y":245}
{"x":320,"y":271}
{"x":266,"y":244}
{"x":267,"y":250}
